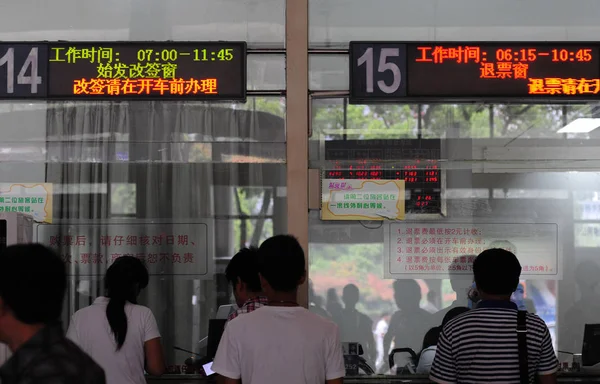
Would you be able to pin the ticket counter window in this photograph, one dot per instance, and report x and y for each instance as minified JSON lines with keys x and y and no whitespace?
{"x":507,"y":171}
{"x":181,"y":185}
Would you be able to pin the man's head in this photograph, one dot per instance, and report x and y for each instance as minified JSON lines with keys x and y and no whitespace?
{"x":350,"y":296}
{"x":242,"y":274}
{"x":407,"y":294}
{"x":32,"y":287}
{"x":497,"y":273}
{"x":282,"y":266}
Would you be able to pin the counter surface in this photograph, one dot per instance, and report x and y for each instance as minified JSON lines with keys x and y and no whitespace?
{"x":575,"y":377}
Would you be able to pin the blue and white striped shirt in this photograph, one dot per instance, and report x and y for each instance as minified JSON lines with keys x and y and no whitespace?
{"x":481,"y":346}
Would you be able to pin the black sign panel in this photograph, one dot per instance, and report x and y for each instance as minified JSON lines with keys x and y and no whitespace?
{"x":125,"y":70}
{"x":549,"y":71}
{"x":377,"y":70}
{"x":201,"y":71}
{"x":23,"y":70}
{"x":415,"y":161}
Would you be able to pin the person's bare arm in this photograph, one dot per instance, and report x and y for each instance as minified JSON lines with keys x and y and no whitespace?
{"x":155,"y":359}
{"x":548,"y":379}
{"x":334,"y":381}
{"x":227,"y":380}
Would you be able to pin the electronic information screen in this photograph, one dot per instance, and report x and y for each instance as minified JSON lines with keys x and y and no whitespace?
{"x":124,"y":70}
{"x":415,"y":161}
{"x":391,"y":71}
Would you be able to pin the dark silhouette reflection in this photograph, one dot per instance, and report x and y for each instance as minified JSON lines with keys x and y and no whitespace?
{"x":584,"y":311}
{"x":356,"y":326}
{"x":461,"y":283}
{"x":316,"y":302}
{"x":333,"y":305}
{"x":410,"y":323}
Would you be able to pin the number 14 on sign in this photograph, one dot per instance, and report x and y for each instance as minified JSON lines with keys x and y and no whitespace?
{"x":7,"y":63}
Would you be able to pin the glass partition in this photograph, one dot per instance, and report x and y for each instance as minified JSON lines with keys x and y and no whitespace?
{"x":333,"y":23}
{"x":504,"y":165}
{"x":146,"y":178}
{"x":259,"y":23}
{"x":180,"y":185}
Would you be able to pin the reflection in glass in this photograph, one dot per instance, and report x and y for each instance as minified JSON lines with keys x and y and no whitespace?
{"x":150,"y":165}
{"x":336,"y":119}
{"x":503,"y":164}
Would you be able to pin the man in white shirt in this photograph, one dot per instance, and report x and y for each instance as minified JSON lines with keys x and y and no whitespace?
{"x":282,"y":342}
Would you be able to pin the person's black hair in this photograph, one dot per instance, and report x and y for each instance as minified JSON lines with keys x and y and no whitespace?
{"x":431,"y":337}
{"x":454,"y":312}
{"x":244,"y":266}
{"x":33,"y":281}
{"x":497,"y":272}
{"x":282,"y":262}
{"x":123,"y":281}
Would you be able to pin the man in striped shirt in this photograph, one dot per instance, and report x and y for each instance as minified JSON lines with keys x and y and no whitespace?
{"x":481,"y":346}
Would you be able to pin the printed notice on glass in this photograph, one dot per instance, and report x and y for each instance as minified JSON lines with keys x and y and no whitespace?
{"x":362,"y":199}
{"x":432,"y":250}
{"x":33,"y":200}
{"x":181,"y":249}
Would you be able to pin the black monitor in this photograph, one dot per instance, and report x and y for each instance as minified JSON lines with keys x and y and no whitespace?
{"x":215,"y":331}
{"x":590,"y":354}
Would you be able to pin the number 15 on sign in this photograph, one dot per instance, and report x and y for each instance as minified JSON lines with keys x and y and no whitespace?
{"x":23,"y":69}
{"x":377,"y":71}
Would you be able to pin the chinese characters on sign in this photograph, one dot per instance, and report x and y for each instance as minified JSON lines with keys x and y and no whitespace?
{"x":503,"y":71}
{"x":558,"y":86}
{"x":144,"y":86}
{"x":173,"y":249}
{"x":497,"y":70}
{"x":439,"y":250}
{"x":438,"y":54}
{"x":362,"y":199}
{"x":208,"y":71}
{"x":33,"y":200}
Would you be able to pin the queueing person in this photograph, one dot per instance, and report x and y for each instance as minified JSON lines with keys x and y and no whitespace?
{"x":482,"y":345}
{"x":116,"y":332}
{"x":282,"y":342}
{"x":242,"y":274}
{"x":33,"y":282}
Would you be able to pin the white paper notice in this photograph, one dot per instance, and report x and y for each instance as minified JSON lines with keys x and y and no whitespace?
{"x":432,"y":250}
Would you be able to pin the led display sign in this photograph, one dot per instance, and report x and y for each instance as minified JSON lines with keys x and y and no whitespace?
{"x":552,"y":71}
{"x":124,"y":70}
{"x":416,"y":161}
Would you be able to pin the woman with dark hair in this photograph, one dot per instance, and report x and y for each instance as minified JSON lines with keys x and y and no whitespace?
{"x":121,"y":336}
{"x":431,"y":338}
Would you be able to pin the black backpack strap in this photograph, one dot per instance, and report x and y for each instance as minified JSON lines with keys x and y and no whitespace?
{"x":522,"y":340}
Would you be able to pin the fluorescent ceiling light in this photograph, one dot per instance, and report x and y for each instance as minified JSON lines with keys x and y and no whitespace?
{"x":583,"y":125}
